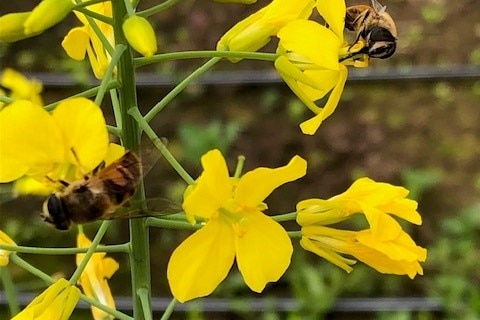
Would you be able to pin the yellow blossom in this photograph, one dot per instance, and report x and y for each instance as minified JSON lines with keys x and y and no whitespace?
{"x":235,"y":228}
{"x":140,"y":35}
{"x":255,"y":31}
{"x":384,"y":246}
{"x":94,"y":278}
{"x":309,"y":60}
{"x":47,"y":14}
{"x":64,"y":144}
{"x":57,"y":302}
{"x":83,"y":40}
{"x":20,"y":87}
{"x":4,"y":254}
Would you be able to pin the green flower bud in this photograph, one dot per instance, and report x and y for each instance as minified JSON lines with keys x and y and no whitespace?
{"x":47,"y":14}
{"x":11,"y":29}
{"x":140,"y":35}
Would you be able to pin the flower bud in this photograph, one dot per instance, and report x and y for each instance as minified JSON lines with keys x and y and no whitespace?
{"x":140,"y":35}
{"x":47,"y":14}
{"x":12,"y":27}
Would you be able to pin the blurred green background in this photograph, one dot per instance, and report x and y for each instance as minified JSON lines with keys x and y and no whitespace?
{"x":419,"y":131}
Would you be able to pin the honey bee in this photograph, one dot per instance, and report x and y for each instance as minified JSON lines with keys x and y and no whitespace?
{"x":96,"y":196}
{"x":375,"y":27}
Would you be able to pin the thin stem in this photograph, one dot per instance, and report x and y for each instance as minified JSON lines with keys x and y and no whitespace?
{"x":88,"y":3}
{"x":122,"y":248}
{"x":10,"y":291}
{"x":202,"y":54}
{"x":92,"y":14}
{"x":179,"y":88}
{"x":100,"y":233}
{"x":114,"y":130}
{"x":285,"y":217}
{"x":99,"y":33}
{"x":170,"y":224}
{"x":86,"y":94}
{"x":144,"y":297}
{"x":116,"y":109}
{"x":168,"y":312}
{"x":128,"y":6}
{"x":107,"y":309}
{"x":27,"y":266}
{"x":119,"y":49}
{"x":158,"y":8}
{"x":295,"y":234}
{"x":135,"y":113}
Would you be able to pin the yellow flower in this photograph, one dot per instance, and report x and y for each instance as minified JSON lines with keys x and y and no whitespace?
{"x":140,"y":35}
{"x":235,"y":228}
{"x":66,"y":144}
{"x":94,"y":278}
{"x":47,"y":14}
{"x":384,"y":246}
{"x":309,"y":60}
{"x":6,"y":240}
{"x":21,"y":87}
{"x":81,"y":40}
{"x":57,"y":302}
{"x":255,"y":31}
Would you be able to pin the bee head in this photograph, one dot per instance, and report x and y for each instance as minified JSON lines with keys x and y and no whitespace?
{"x":54,"y":212}
{"x":380,"y":43}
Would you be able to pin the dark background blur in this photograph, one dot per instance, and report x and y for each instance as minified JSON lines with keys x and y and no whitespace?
{"x":410,"y":120}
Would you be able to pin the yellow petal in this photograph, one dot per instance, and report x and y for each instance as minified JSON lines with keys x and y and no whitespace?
{"x":327,"y":254}
{"x":211,"y":190}
{"x":310,"y":126}
{"x":10,"y":168}
{"x":84,"y":130}
{"x":333,"y":11}
{"x":257,"y":184}
{"x":321,"y":48}
{"x":114,"y":152}
{"x":29,"y":185}
{"x":202,"y":261}
{"x":5,"y":240}
{"x":263,"y":251}
{"x":76,"y":42}
{"x":29,"y":137}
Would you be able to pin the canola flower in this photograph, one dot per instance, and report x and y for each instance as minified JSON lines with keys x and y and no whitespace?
{"x":235,"y":229}
{"x":84,"y":40}
{"x":4,"y":254}
{"x":20,"y":87}
{"x":309,"y":60}
{"x":45,"y":147}
{"x":57,"y":302}
{"x":385,"y":246}
{"x":94,"y":278}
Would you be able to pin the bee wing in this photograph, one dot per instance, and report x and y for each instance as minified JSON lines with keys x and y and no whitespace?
{"x":378,"y":7}
{"x":127,"y":168}
{"x":155,"y":207}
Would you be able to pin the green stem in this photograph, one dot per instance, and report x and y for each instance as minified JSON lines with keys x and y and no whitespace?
{"x":206,"y":54}
{"x":107,"y":309}
{"x":168,"y":312}
{"x":27,"y":266}
{"x":93,"y":15}
{"x":295,"y":234}
{"x":119,"y":49}
{"x":88,"y":3}
{"x":86,"y":94}
{"x":144,"y":295}
{"x":127,"y":98}
{"x":135,"y":113}
{"x":158,"y":8}
{"x":114,"y":130}
{"x":116,"y":109}
{"x":285,"y":217}
{"x":170,"y":224}
{"x":10,"y":291}
{"x":239,"y":168}
{"x":122,"y":248}
{"x":179,"y":88}
{"x":91,"y":250}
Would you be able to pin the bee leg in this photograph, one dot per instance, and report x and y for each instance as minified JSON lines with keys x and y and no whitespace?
{"x":100,"y":166}
{"x":62,"y":182}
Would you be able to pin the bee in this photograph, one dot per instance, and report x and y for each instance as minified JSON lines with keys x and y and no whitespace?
{"x":96,"y":196}
{"x":374,"y":26}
